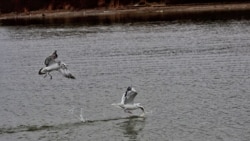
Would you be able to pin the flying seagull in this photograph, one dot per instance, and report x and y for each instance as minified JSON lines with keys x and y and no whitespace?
{"x":53,"y":65}
{"x":127,"y":101}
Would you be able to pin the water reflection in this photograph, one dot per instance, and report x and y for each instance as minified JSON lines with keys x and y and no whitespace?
{"x":128,"y":18}
{"x":132,"y":127}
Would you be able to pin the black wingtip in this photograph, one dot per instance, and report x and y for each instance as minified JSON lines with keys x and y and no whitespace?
{"x":55,"y":54}
{"x":129,"y":88}
{"x":142,"y":108}
{"x":71,"y":77}
{"x":40,"y":72}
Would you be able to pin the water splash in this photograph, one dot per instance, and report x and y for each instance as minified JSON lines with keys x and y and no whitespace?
{"x":71,"y":111}
{"x":80,"y":117}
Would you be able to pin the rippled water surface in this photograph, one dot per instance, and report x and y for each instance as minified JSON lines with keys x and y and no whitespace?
{"x":193,"y":78}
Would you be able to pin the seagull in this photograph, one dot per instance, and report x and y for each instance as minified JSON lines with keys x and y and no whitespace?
{"x":127,"y":101}
{"x":53,"y":65}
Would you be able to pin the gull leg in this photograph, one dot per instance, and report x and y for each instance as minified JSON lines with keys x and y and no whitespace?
{"x":45,"y":75}
{"x":127,"y":111}
{"x":130,"y":112}
{"x":50,"y":75}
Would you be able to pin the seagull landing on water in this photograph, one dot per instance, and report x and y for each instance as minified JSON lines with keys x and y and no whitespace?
{"x":53,"y":65}
{"x":127,"y":101}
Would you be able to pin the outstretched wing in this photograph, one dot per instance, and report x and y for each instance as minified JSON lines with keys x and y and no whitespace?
{"x":129,"y":97}
{"x":51,"y":59}
{"x":65,"y":72}
{"x":123,"y":98}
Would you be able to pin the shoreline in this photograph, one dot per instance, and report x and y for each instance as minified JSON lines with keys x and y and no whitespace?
{"x":153,"y":12}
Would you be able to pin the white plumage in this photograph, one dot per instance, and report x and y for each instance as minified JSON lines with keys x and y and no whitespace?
{"x":127,"y":101}
{"x":53,"y":65}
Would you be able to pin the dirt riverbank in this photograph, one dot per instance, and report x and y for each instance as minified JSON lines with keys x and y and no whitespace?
{"x":152,"y":12}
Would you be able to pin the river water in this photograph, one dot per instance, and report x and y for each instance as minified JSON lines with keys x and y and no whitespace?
{"x":193,"y":79}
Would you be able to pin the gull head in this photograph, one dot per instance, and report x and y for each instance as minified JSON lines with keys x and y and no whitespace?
{"x":130,"y":89}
